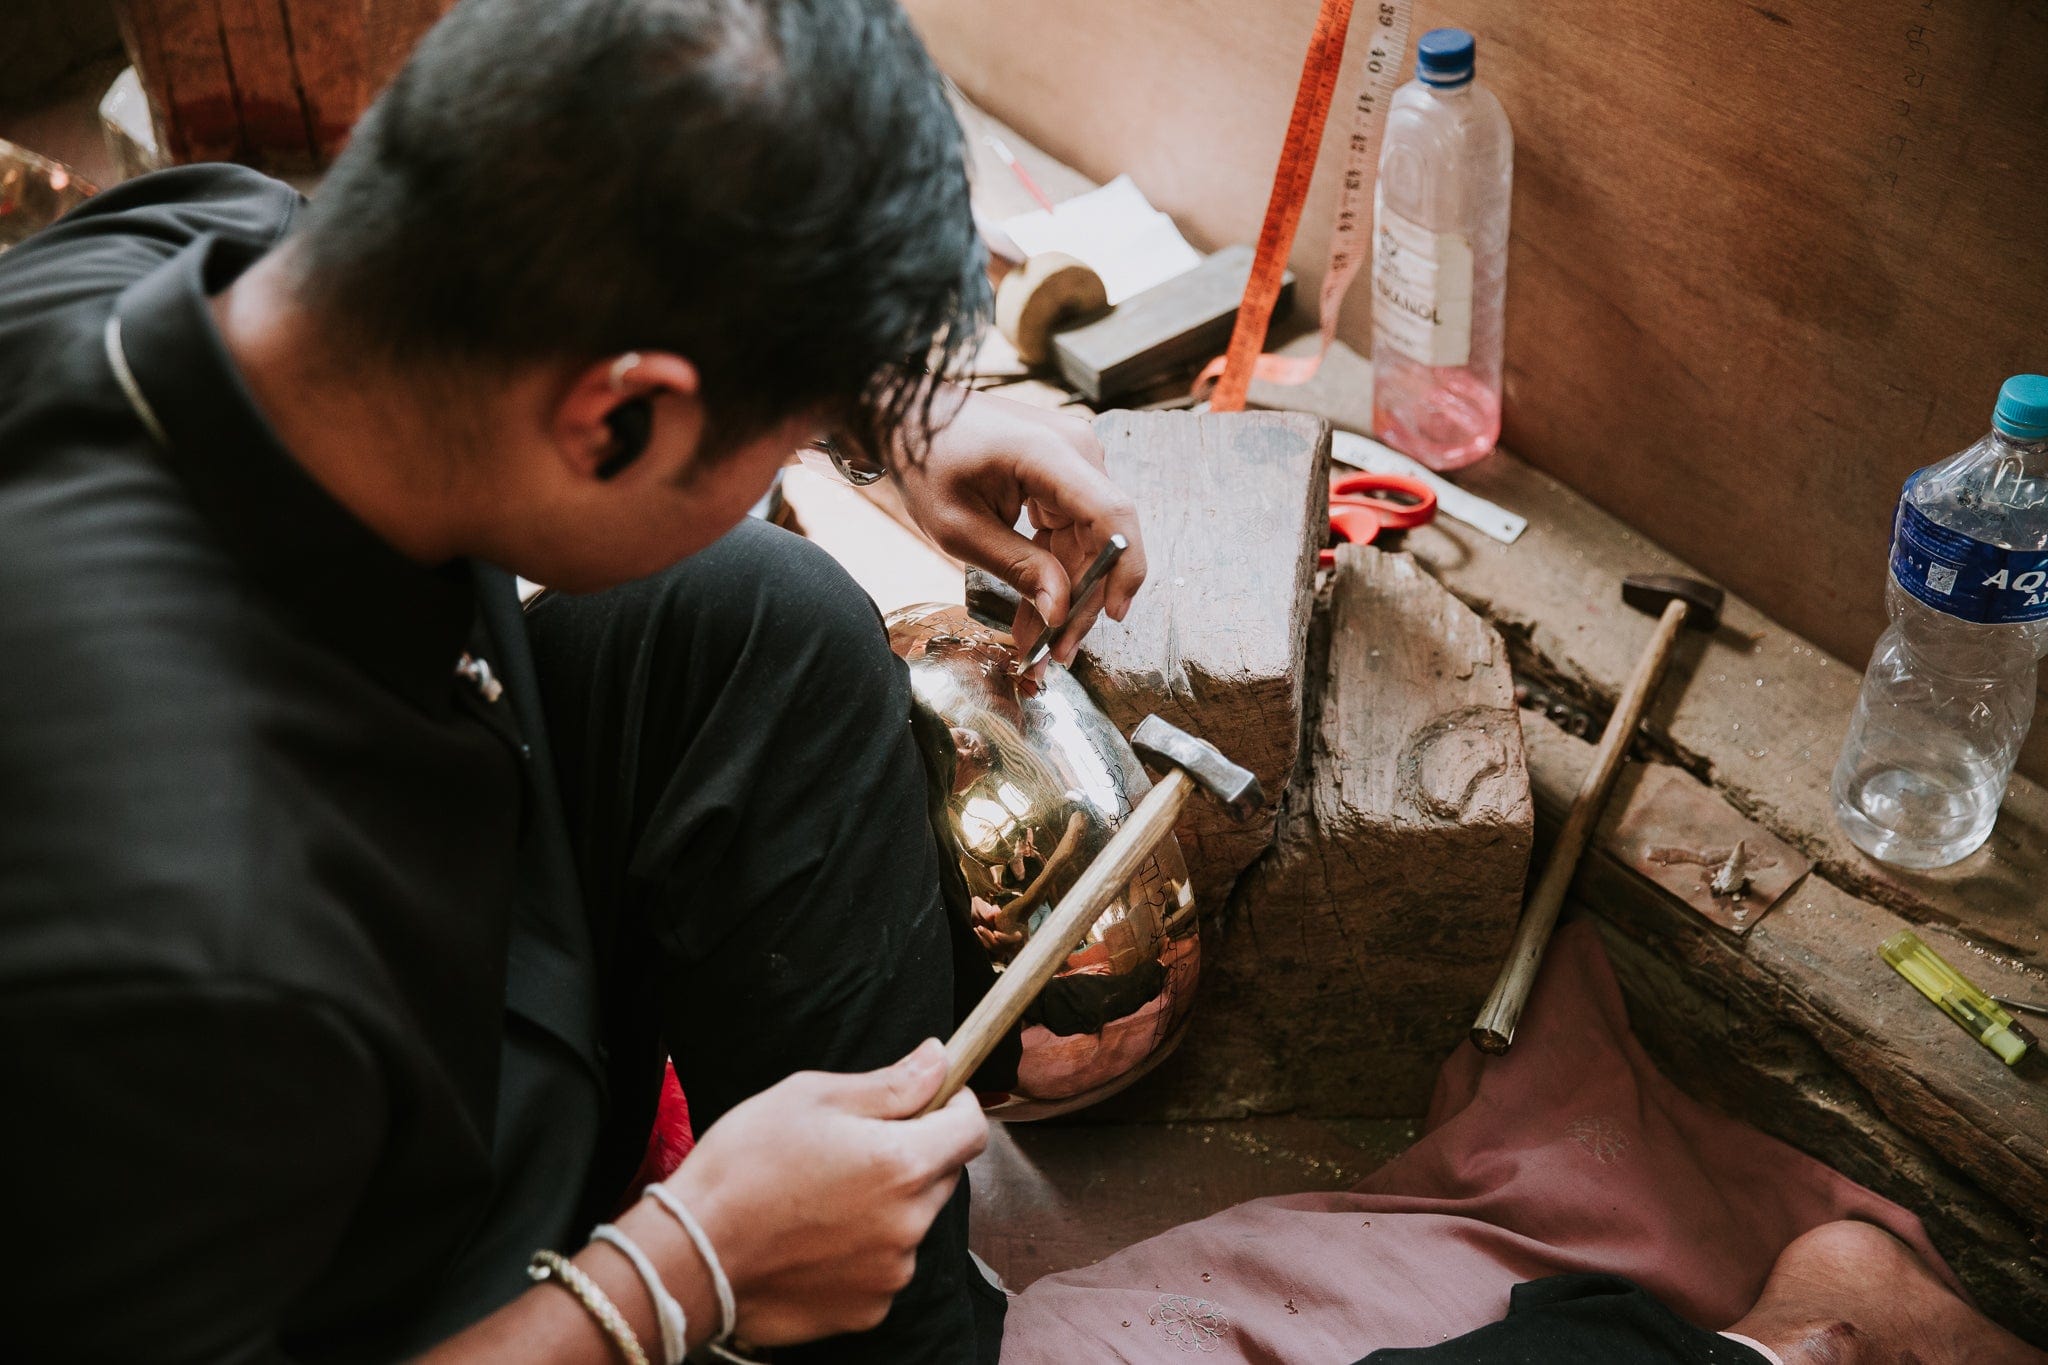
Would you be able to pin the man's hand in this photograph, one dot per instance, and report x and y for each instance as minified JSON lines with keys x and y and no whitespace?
{"x":997,"y":457}
{"x":816,"y":1192}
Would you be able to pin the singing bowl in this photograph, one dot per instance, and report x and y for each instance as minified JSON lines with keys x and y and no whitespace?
{"x":1039,"y":780}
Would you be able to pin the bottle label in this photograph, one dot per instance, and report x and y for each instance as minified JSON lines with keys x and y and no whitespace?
{"x":1422,"y":289}
{"x":1964,"y":577}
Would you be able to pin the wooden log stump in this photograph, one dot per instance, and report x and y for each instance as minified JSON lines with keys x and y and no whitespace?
{"x":1357,"y":951}
{"x":1234,"y":508}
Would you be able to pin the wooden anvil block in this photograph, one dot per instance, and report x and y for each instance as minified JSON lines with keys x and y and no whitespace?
{"x":1234,"y":508}
{"x":1357,"y":952}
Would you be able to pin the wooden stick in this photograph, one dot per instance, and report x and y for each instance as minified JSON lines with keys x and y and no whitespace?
{"x":1494,"y":1030}
{"x":1053,"y":941}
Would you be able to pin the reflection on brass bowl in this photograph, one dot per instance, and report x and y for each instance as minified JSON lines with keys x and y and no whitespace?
{"x":1040,"y":780}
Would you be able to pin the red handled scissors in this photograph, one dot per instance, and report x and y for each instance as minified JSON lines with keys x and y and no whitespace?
{"x":1363,"y":505}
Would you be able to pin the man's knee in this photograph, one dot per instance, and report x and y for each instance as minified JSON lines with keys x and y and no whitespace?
{"x":762,"y":598}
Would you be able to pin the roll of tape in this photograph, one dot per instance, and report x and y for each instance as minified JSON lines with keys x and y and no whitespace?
{"x":1050,"y":291}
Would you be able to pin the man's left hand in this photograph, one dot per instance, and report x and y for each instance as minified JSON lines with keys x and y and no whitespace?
{"x":996,"y":458}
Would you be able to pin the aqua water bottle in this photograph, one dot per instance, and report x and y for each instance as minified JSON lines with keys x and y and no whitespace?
{"x":1440,"y":259}
{"x":1950,"y":690}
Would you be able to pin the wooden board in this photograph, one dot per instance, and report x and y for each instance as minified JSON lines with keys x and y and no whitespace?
{"x":1358,"y":950}
{"x":1171,"y":327}
{"x":1755,"y":707}
{"x":1233,"y":508}
{"x":1766,"y":258}
{"x":1802,"y":1028}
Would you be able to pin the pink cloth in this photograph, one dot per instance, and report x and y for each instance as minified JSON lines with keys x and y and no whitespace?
{"x":1570,"y":1154}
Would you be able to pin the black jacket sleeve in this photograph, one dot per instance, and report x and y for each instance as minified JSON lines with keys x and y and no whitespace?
{"x":149,"y":219}
{"x":178,"y":1160}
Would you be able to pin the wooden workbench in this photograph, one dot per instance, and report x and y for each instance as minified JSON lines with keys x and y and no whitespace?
{"x":1794,"y":1023}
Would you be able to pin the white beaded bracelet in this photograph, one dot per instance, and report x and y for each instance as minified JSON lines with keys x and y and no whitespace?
{"x":728,"y":1311}
{"x":675,"y":1332}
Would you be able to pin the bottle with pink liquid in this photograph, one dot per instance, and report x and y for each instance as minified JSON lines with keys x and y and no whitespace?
{"x":1440,"y":259}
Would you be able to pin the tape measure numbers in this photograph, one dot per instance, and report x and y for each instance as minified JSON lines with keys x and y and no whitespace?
{"x":1349,"y":230}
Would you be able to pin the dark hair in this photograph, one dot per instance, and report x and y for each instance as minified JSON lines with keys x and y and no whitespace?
{"x":774,"y":189}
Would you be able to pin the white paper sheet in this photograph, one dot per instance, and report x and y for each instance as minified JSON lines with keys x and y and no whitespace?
{"x":1113,"y":229}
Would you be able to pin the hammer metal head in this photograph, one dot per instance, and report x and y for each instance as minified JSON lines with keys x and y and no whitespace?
{"x":1164,"y":744}
{"x":1652,"y":592}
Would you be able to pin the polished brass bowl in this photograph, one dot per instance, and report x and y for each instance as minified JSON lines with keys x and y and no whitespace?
{"x":1038,"y":780}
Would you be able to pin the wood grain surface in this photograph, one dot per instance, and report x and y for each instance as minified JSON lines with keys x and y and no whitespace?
{"x":1767,"y":258}
{"x":1234,"y":508}
{"x":1358,"y":950}
{"x":1754,"y":707}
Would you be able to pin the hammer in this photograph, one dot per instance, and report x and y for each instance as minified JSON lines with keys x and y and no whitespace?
{"x":1681,"y":602}
{"x":1189,"y":763}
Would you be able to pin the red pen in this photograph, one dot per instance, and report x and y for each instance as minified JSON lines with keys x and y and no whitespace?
{"x":1017,"y":169}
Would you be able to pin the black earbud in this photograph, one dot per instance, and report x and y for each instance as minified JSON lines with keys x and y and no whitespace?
{"x":632,"y":427}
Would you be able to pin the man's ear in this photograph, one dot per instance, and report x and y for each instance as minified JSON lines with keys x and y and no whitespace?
{"x":642,"y":408}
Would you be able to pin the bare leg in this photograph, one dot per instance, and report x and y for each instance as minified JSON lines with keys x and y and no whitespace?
{"x":1852,"y":1294}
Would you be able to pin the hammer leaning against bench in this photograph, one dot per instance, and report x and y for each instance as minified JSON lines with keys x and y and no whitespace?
{"x":1682,"y":602}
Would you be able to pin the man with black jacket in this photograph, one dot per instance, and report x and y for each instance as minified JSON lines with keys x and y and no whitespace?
{"x":348,"y":912}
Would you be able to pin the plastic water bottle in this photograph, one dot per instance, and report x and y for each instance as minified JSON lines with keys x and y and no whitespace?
{"x":1950,"y":690}
{"x":1439,"y":274}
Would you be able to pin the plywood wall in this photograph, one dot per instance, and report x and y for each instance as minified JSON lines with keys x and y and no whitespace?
{"x":275,"y":84}
{"x":1767,"y":258}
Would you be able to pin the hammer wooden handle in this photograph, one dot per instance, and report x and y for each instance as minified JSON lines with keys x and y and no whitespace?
{"x":1494,"y":1030}
{"x":1053,"y":941}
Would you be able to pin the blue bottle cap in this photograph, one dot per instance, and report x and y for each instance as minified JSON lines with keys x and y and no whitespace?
{"x":1444,"y":57}
{"x":2022,"y":411}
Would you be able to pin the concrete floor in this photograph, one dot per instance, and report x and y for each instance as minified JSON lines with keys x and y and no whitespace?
{"x":1054,"y":1196}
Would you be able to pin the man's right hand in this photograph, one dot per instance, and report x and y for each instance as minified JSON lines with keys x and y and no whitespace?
{"x":817,"y":1191}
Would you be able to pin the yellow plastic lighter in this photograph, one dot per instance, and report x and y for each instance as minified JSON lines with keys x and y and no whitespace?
{"x":1977,"y":1012}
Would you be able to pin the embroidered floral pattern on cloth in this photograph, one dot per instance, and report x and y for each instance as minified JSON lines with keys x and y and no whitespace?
{"x":1190,"y":1324}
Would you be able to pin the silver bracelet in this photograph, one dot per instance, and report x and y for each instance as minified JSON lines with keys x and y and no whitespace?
{"x":553,"y":1265}
{"x":675,"y":1328}
{"x":728,"y":1311}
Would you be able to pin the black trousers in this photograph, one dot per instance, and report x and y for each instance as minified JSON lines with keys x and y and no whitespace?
{"x":749,"y":819}
{"x":1580,"y":1320}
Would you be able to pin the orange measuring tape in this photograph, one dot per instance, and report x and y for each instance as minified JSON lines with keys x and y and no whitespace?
{"x":1232,"y":372}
